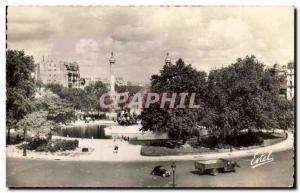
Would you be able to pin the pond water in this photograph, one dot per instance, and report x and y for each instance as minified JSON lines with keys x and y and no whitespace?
{"x":84,"y":131}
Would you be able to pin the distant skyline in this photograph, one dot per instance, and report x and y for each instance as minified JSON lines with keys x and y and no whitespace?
{"x":140,"y":37}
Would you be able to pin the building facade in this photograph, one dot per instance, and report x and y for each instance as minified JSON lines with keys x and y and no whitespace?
{"x":59,"y":72}
{"x":73,"y":75}
{"x":287,"y":83}
{"x":290,"y":76}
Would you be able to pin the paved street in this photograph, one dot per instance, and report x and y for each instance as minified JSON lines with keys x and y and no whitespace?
{"x":102,"y":150}
{"x":41,"y":173}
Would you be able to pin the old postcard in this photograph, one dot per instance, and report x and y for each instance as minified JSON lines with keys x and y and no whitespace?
{"x":150,"y":96}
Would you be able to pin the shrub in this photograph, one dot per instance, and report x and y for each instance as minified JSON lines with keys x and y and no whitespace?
{"x":53,"y":145}
{"x":241,"y":140}
{"x":33,"y":143}
{"x":165,"y":151}
{"x":62,"y":145}
{"x":246,"y":139}
{"x":210,"y":142}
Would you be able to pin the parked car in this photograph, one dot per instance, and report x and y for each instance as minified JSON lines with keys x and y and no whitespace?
{"x":160,"y":171}
{"x":213,"y":167}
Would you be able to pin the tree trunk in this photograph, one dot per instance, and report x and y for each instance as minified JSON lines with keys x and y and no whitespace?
{"x":49,"y":137}
{"x":8,"y":136}
{"x":184,"y":139}
{"x":25,"y":133}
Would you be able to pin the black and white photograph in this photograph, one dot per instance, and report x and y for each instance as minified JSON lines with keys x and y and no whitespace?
{"x":150,"y":96}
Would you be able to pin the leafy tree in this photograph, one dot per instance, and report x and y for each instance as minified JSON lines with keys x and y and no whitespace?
{"x":96,"y":87}
{"x":175,"y":78}
{"x":59,"y":110}
{"x":129,"y":89}
{"x":56,"y":89}
{"x":36,"y":123}
{"x":86,"y":99}
{"x":19,"y":87}
{"x":99,"y":89}
{"x":49,"y":112}
{"x":179,"y":78}
{"x":242,"y":96}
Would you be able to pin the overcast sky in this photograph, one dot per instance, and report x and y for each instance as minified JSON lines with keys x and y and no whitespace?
{"x":140,"y":37}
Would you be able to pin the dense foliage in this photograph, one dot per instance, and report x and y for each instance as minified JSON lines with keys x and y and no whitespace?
{"x":19,"y":87}
{"x":178,"y":122}
{"x":49,"y":112}
{"x":54,"y":145}
{"x":82,"y":99}
{"x":242,"y":96}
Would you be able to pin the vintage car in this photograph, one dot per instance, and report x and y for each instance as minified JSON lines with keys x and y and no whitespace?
{"x":160,"y":171}
{"x":213,"y":167}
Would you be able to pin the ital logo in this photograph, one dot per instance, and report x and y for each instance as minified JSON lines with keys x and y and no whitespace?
{"x":261,"y":159}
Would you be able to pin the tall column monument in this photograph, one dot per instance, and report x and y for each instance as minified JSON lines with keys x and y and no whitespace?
{"x":112,"y":61}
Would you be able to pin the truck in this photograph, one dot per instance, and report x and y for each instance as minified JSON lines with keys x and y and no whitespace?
{"x":213,"y":167}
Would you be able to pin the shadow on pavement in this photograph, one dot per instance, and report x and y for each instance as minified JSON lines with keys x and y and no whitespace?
{"x":196,"y":172}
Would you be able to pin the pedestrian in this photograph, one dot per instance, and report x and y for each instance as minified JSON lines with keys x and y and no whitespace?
{"x":117,"y":148}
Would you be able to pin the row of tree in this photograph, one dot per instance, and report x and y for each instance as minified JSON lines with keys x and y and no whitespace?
{"x":88,"y":99}
{"x":24,"y":111}
{"x":38,"y":108}
{"x":242,"y":96}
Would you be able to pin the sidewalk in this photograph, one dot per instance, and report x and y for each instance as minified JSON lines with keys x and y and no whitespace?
{"x":102,"y":150}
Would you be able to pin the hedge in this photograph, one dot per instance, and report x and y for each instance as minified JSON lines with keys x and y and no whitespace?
{"x":53,"y":145}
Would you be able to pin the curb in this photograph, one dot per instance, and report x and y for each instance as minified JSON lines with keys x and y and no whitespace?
{"x":191,"y":157}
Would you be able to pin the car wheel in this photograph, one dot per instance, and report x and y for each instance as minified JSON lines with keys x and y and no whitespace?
{"x":214,"y":172}
{"x":152,"y":173}
{"x":201,"y":171}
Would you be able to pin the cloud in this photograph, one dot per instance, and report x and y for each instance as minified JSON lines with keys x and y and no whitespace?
{"x":130,"y":33}
{"x":206,"y":37}
{"x":86,"y":46}
{"x":31,"y":24}
{"x":225,"y":34}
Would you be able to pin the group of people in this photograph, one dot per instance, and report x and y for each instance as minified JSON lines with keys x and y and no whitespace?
{"x":125,"y":117}
{"x":122,"y":138}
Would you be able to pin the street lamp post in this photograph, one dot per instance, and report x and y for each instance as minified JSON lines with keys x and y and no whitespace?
{"x":173,"y":166}
{"x":25,"y":143}
{"x":24,"y":149}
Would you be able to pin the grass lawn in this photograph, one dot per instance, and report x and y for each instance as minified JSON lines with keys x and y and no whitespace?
{"x":163,"y":151}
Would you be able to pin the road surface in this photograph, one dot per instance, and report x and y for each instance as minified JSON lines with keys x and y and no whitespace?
{"x":41,"y":173}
